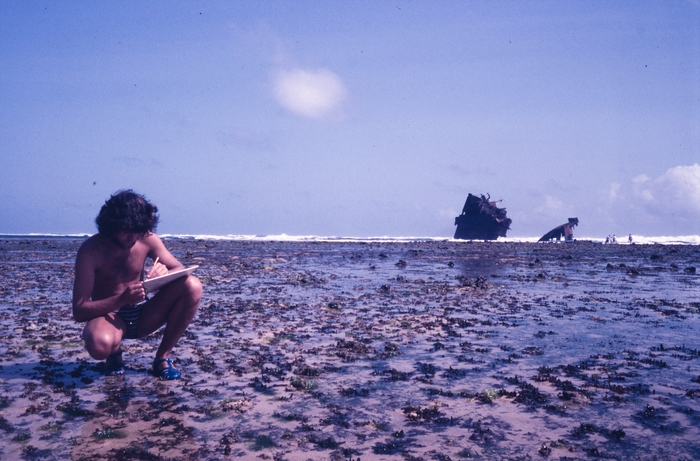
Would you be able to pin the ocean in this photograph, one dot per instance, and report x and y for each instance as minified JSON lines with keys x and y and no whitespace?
{"x":621,"y":240}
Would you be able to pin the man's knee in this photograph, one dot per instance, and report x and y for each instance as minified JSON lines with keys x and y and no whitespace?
{"x":99,"y":346}
{"x":194,"y":288}
{"x":100,"y":342}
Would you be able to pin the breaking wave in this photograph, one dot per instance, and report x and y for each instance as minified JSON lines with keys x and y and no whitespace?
{"x":623,"y":240}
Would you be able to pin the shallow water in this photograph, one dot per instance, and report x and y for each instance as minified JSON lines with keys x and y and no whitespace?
{"x":340,"y":350}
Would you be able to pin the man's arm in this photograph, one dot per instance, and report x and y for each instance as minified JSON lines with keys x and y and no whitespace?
{"x":166,"y":261}
{"x":84,"y":308}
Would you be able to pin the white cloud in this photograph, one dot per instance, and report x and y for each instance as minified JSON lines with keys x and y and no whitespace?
{"x":676,"y":192}
{"x":614,"y":191}
{"x":551,"y":208}
{"x":310,"y":93}
{"x":640,"y":179}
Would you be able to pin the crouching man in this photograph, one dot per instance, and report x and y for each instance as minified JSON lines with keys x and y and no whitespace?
{"x":108,"y":292}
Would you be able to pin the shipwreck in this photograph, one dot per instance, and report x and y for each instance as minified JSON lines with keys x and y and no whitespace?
{"x":481,"y":219}
{"x":566,"y":230}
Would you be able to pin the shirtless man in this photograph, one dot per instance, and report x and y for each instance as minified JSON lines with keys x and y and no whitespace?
{"x":108,"y":293}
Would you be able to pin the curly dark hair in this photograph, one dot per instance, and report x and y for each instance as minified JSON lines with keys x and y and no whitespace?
{"x":127,"y":211}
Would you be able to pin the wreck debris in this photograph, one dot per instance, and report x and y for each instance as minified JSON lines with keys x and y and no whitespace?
{"x":565,"y":230}
{"x":481,"y":219}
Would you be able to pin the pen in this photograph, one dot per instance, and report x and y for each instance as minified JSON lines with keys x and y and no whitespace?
{"x":154,"y":265}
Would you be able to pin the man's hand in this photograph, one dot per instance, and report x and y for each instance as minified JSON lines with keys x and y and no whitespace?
{"x":157,"y":270}
{"x":133,"y":294}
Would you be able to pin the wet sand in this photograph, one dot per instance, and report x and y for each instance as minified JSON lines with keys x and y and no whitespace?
{"x":339,"y":351}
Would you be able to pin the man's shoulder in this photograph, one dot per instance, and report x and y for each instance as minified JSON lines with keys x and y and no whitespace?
{"x":151,"y":239}
{"x":91,"y":247}
{"x":90,"y":251}
{"x":91,"y":243}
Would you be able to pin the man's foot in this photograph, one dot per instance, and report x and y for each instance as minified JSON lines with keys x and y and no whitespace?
{"x":115,"y":365}
{"x":167,"y":372}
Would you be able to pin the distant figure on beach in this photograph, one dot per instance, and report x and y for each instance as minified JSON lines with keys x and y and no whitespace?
{"x":614,"y":239}
{"x":108,"y":293}
{"x":630,"y":239}
{"x":607,"y":239}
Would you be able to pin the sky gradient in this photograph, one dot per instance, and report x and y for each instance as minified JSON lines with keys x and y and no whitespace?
{"x":352,"y":118}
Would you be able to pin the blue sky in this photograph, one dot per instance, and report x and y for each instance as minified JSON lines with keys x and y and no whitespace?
{"x":352,"y":118}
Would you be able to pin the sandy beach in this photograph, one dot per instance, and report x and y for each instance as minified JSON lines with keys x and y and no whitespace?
{"x":354,"y":350}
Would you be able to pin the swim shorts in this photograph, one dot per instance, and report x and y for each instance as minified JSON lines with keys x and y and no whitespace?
{"x":130,"y":313}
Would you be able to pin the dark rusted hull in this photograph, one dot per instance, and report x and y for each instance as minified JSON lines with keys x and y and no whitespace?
{"x":481,"y":219}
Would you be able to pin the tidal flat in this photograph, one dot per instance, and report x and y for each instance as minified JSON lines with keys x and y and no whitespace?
{"x":440,"y":350}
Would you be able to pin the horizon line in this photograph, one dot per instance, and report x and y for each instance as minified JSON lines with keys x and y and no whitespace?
{"x":641,"y":239}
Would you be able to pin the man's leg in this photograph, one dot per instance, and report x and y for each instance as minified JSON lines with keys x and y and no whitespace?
{"x":103,"y":337}
{"x":173,"y":306}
